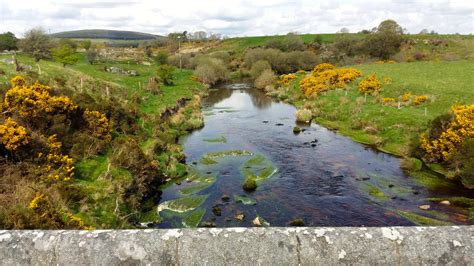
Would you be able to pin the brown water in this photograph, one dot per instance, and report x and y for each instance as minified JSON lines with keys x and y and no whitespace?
{"x":321,"y":177}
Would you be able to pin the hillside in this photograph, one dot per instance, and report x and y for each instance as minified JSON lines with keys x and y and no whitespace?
{"x":105,"y":34}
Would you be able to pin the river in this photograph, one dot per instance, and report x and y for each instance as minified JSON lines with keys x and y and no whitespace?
{"x":317,"y":177}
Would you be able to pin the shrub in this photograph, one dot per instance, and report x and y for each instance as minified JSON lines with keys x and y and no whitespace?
{"x":12,"y":135}
{"x":258,"y":68}
{"x":325,"y":77}
{"x":266,"y":78}
{"x":304,"y":115}
{"x":166,"y":74}
{"x":420,"y":99}
{"x":65,"y":55}
{"x":371,"y":85}
{"x":291,"y":42}
{"x":459,"y":129}
{"x":211,"y":70}
{"x":98,"y":124}
{"x":406,"y":96}
{"x":161,"y":58}
{"x":286,"y":79}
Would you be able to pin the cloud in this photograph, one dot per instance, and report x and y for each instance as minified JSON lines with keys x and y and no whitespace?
{"x":236,"y":18}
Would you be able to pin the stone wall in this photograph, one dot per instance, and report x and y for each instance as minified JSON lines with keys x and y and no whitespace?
{"x":248,"y":246}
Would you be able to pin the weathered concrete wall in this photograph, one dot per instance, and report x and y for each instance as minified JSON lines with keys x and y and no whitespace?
{"x":250,"y":246}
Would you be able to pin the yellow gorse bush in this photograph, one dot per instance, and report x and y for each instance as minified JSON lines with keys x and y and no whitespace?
{"x":459,"y":129}
{"x":77,"y":222}
{"x":323,"y":67}
{"x":286,"y":79}
{"x":12,"y":135}
{"x":420,"y":99}
{"x":326,"y":77}
{"x":371,"y":85}
{"x":98,"y":124}
{"x":406,"y":96}
{"x":31,"y":101}
{"x":37,"y":201}
{"x":59,"y":167}
{"x":388,"y":100}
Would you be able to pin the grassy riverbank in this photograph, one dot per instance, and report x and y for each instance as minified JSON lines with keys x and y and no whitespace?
{"x":369,"y":120}
{"x":112,"y":186}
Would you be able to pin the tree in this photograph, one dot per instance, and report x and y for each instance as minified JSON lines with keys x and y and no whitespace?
{"x":36,"y":43}
{"x":65,"y":55}
{"x":424,"y":31}
{"x":386,"y":40}
{"x":161,"y":58}
{"x":91,"y":55}
{"x":8,"y":41}
{"x":343,"y":30}
{"x":346,"y":43}
{"x":165,"y":73}
{"x":86,"y":44}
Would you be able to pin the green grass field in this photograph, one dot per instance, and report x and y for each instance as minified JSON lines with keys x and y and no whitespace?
{"x":445,"y":83}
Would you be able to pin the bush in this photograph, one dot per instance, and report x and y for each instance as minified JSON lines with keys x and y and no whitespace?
{"x":165,"y":74}
{"x":291,"y":42}
{"x":162,"y":58}
{"x":281,"y":62}
{"x":463,"y":160}
{"x":266,"y":78}
{"x":371,"y":85}
{"x":386,"y":41}
{"x":304,"y":115}
{"x":211,"y":70}
{"x":258,"y":68}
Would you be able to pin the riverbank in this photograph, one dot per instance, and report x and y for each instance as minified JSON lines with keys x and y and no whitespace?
{"x":114,"y":183}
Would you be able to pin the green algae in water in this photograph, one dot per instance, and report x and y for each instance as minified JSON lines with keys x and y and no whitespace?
{"x":421,"y":220}
{"x":221,"y":154}
{"x":203,"y":182}
{"x":258,"y":167}
{"x":182,"y":204}
{"x":194,"y":218}
{"x":375,"y":192}
{"x":207,"y":161}
{"x":221,"y":139}
{"x":244,"y":200}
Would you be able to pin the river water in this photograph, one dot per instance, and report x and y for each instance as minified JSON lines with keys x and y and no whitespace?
{"x":317,"y":176}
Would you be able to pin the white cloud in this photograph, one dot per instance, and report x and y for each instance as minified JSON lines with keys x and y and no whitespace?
{"x":236,"y":18}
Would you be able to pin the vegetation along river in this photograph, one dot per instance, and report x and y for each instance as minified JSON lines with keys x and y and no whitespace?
{"x":315,"y":178}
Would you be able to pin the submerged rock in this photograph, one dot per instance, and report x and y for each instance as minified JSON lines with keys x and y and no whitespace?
{"x":424,"y":207}
{"x":296,"y":130}
{"x":249,"y":184}
{"x":225,"y":198}
{"x":239,"y":216}
{"x":208,"y":224}
{"x":279,"y":124}
{"x":445,"y":202}
{"x":217,"y":210}
{"x":297,"y":222}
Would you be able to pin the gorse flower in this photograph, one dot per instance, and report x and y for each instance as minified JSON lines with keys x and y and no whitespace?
{"x":31,"y":101}
{"x":326,"y":77}
{"x":371,"y":85}
{"x":12,"y":135}
{"x":459,"y":129}
{"x":98,"y":124}
{"x":420,"y":99}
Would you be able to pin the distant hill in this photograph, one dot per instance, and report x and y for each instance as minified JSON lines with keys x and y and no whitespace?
{"x":105,"y":34}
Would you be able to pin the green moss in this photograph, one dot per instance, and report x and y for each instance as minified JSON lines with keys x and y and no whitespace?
{"x":431,"y":180}
{"x":250,"y":184}
{"x":421,"y":220}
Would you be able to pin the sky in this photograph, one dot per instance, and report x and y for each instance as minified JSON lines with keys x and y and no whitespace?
{"x":235,"y":18}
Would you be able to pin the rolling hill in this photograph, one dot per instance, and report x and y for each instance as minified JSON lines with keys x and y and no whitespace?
{"x":105,"y":34}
